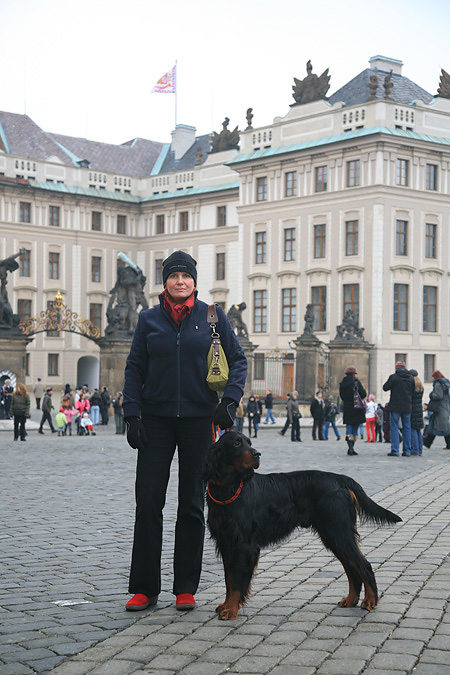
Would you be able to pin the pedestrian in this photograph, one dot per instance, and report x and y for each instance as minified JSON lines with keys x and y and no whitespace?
{"x":252,"y":415}
{"x":167,"y":404}
{"x":438,"y":410}
{"x":379,"y":419}
{"x":317,"y":409}
{"x":268,"y":402}
{"x":7,"y":392}
{"x":240,"y":416}
{"x":47,"y":407}
{"x":118,"y":413}
{"x":401,"y":386}
{"x":106,"y":402}
{"x":70,"y":413}
{"x":38,"y":391}
{"x":352,"y":416}
{"x":61,"y":422}
{"x":416,"y":415}
{"x":287,"y":422}
{"x":20,"y":410}
{"x":81,"y":406}
{"x":386,"y":424}
{"x":86,"y":425}
{"x":330,"y":413}
{"x":294,"y":415}
{"x":371,"y":410}
{"x":95,"y":402}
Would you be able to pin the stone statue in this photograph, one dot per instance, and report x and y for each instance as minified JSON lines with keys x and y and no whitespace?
{"x":348,"y":330}
{"x":312,"y":88}
{"x":373,"y":86}
{"x":309,"y":321}
{"x":7,"y":317}
{"x":249,"y":117}
{"x":444,"y":84}
{"x":125,"y":298}
{"x":226,"y":140}
{"x":234,"y":315}
{"x":388,"y":84}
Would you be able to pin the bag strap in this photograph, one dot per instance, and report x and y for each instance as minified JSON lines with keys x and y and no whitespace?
{"x":212,"y":314}
{"x":213,"y":319}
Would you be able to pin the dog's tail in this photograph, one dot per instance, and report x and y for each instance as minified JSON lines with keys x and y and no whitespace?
{"x":367,"y":509}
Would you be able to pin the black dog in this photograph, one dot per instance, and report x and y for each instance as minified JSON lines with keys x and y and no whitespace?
{"x":247,"y":511}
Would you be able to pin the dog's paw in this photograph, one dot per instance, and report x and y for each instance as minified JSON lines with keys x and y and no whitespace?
{"x":220,"y":607}
{"x":348,"y":601}
{"x":368,"y":604}
{"x":228,"y":613}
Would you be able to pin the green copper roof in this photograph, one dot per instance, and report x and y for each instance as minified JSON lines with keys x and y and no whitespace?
{"x":87,"y":192}
{"x":347,"y":135}
{"x":193,"y":191}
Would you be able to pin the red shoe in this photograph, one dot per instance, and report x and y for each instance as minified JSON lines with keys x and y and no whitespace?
{"x":140,"y":601}
{"x":185,"y":601}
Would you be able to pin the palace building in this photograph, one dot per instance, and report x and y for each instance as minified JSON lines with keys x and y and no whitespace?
{"x":343,"y":202}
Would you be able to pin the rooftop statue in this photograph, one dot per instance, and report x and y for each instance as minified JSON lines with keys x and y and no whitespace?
{"x":125,"y":298}
{"x":234,"y":315}
{"x":373,"y":86}
{"x":312,"y":88}
{"x":7,"y":316}
{"x":249,"y":117}
{"x":444,"y":84}
{"x":226,"y":140}
{"x":388,"y":84}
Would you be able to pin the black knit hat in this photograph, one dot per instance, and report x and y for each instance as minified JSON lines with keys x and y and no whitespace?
{"x":179,"y":261}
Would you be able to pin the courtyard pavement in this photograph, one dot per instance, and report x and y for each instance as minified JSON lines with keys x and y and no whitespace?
{"x":67,"y":512}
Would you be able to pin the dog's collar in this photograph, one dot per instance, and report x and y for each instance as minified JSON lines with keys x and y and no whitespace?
{"x":226,"y":501}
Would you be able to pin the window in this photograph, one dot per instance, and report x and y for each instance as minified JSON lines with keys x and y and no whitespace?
{"x":430,"y":309}
{"x":289,"y":244}
{"x":25,"y":263}
{"x":184,"y":221}
{"x":319,"y":303}
{"x":53,"y":265}
{"x":402,"y":176}
{"x":158,"y":271}
{"x":351,"y":299}
{"x":401,"y":237}
{"x":24,"y":310}
{"x":351,"y":237}
{"x":160,"y":223}
{"x":259,"y":311}
{"x":25,"y":212}
{"x":121,"y":224}
{"x":53,"y":365}
{"x":258,"y":364}
{"x":260,"y":248}
{"x":221,"y":216}
{"x":353,"y":173}
{"x":430,"y":240}
{"x":27,"y":364}
{"x":288,"y":309}
{"x":96,"y":222}
{"x":261,"y":189}
{"x":321,"y":178}
{"x":290,"y":184}
{"x":431,"y":177}
{"x":319,"y":241}
{"x":429,"y":366}
{"x":53,"y":216}
{"x":401,"y":306}
{"x":401,"y":357}
{"x":95,"y":314}
{"x":96,"y":269}
{"x":220,"y":266}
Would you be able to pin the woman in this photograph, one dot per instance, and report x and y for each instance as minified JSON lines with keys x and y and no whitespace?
{"x":416,"y":415}
{"x":20,"y":410}
{"x":294,"y":415}
{"x":353,"y":417}
{"x":81,"y":406}
{"x":371,"y":411}
{"x":439,"y":410}
{"x":317,"y":409}
{"x":167,"y":404}
{"x":118,"y":412}
{"x":252,"y":414}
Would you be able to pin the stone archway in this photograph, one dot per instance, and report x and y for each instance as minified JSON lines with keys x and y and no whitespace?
{"x":88,"y":371}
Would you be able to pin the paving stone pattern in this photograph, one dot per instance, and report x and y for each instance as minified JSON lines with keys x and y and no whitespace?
{"x":67,"y":511}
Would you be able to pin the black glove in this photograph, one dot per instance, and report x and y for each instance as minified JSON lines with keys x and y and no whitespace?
{"x":136,"y":436}
{"x":225,"y":413}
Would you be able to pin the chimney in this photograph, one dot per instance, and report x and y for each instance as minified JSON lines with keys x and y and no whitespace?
{"x":386,"y":64}
{"x":182,"y":139}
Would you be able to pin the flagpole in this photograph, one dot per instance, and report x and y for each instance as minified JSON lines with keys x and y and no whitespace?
{"x":176,"y":92}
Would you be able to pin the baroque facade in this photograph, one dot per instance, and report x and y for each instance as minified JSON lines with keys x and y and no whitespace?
{"x":343,"y":202}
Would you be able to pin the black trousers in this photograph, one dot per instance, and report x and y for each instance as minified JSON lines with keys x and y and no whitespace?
{"x":192,"y":436}
{"x":46,"y":417}
{"x":19,"y":426}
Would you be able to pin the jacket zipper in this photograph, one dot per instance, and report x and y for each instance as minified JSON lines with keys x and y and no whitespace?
{"x":178,"y":373}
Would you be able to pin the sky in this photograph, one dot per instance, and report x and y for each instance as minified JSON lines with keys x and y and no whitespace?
{"x":87,"y":67}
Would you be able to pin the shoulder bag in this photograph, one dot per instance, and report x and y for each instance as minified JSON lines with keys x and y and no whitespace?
{"x":218,"y":370}
{"x":358,"y":403}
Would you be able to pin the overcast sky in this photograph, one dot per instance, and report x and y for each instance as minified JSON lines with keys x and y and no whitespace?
{"x":86,"y":67}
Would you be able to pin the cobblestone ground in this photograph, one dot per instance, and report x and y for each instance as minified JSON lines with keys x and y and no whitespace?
{"x":67,"y":518}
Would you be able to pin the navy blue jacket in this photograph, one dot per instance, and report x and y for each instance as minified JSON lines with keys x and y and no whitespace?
{"x":166,"y":368}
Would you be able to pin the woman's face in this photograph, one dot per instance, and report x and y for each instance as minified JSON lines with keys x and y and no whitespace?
{"x":179,"y":285}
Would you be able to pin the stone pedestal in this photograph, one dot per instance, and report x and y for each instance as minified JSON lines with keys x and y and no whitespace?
{"x":113,"y":356}
{"x":309,"y":354}
{"x":248,"y":348}
{"x":348,"y":354}
{"x":13,"y":354}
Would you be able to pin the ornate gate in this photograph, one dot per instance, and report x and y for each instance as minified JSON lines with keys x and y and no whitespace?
{"x":59,"y":318}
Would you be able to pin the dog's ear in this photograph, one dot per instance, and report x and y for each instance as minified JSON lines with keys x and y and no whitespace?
{"x":214,"y":461}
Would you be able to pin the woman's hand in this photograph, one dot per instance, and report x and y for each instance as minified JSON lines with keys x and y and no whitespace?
{"x":136,"y":436}
{"x":225,"y":413}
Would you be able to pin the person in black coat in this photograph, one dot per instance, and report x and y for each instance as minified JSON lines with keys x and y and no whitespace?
{"x":416,"y":415}
{"x":401,"y":385}
{"x":317,"y":409}
{"x":253,"y":416}
{"x":353,"y":417}
{"x":105,"y":403}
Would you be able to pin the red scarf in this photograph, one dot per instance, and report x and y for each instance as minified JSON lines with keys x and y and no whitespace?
{"x":177,"y":312}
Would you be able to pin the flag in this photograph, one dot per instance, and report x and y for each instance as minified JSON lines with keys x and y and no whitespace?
{"x":167,"y":84}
